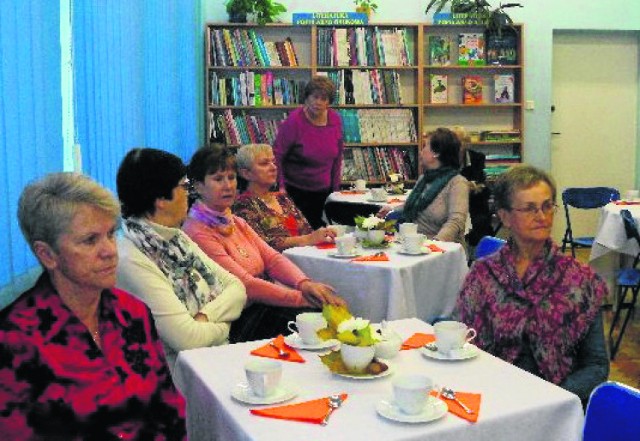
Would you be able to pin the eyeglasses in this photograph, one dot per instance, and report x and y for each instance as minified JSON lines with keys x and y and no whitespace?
{"x":547,"y":208}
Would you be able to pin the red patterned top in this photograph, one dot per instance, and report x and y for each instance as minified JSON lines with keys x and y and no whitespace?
{"x":56,"y":383}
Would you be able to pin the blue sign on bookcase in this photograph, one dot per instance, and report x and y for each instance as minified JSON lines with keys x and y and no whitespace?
{"x":330,"y":18}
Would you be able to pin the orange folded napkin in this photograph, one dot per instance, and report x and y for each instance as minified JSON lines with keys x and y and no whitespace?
{"x":372,"y":258}
{"x":626,"y":202}
{"x":312,"y":411}
{"x":435,"y":248}
{"x":271,"y":352}
{"x":394,"y":200}
{"x":352,"y":192}
{"x":470,"y":399}
{"x":417,"y":340}
{"x":325,"y":245}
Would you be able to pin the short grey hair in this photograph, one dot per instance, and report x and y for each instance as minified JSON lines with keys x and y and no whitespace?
{"x":247,"y":154}
{"x":520,"y":177}
{"x":47,"y":206}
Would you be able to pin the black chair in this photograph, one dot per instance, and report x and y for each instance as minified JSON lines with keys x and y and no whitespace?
{"x":584,"y":198}
{"x":628,"y":280}
{"x":343,"y":213}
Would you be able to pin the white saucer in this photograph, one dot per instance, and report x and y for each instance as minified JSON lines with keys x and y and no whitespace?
{"x":242,"y":392}
{"x":376,"y":200}
{"x":296,"y":342}
{"x":422,"y":252}
{"x":389,"y":371}
{"x":467,"y":351}
{"x":343,"y":256}
{"x":434,"y":410}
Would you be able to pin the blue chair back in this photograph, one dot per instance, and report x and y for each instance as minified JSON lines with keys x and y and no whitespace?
{"x":613,"y":413}
{"x":589,"y":197}
{"x":488,"y":245}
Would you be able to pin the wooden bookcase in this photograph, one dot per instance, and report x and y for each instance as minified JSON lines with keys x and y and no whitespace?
{"x":406,"y":74}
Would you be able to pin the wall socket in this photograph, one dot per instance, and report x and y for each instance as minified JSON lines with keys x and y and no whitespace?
{"x":529,"y":105}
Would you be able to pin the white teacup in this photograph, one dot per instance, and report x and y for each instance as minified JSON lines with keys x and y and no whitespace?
{"x":389,"y":345}
{"x":452,"y":335}
{"x":408,"y":228}
{"x":339,"y":229}
{"x":263,"y":376}
{"x":411,"y":392}
{"x":345,"y":245}
{"x":379,"y":194}
{"x":361,"y":184}
{"x":307,"y":326}
{"x":632,"y":195}
{"x":412,"y":243}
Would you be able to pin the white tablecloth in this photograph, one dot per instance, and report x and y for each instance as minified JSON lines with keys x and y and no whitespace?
{"x":515,"y":404}
{"x":611,"y":235}
{"x":365,"y":198}
{"x":407,"y":286}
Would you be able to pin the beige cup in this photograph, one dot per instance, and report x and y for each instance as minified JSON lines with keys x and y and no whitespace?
{"x":408,"y":228}
{"x":361,"y":185}
{"x":452,"y":335}
{"x":307,"y":326}
{"x":263,"y":376}
{"x":411,"y":392}
{"x":345,"y":245}
{"x":339,"y":229}
{"x":412,"y":243}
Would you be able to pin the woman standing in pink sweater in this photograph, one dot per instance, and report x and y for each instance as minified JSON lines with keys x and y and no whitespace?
{"x":234,"y":245}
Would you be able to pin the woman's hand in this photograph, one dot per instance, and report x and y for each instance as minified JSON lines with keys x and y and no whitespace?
{"x":319,"y":294}
{"x":384,"y":211}
{"x":323,"y":234}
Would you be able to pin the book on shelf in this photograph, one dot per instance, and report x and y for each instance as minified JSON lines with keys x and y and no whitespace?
{"x":245,"y":48}
{"x":472,"y":89}
{"x":438,"y":88}
{"x":502,"y":49}
{"x":440,"y":50}
{"x":471,"y":49}
{"x":234,"y":128}
{"x":503,"y":88}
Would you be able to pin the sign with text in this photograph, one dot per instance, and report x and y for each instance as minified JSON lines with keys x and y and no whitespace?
{"x":330,"y":18}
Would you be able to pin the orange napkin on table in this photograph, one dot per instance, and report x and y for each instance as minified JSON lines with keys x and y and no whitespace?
{"x":372,"y":258}
{"x":435,"y":248}
{"x":394,"y":200}
{"x":271,"y":352}
{"x":312,"y":411}
{"x":325,"y":245}
{"x":418,"y":340}
{"x":470,"y":399}
{"x":626,"y":203}
{"x":352,"y":192}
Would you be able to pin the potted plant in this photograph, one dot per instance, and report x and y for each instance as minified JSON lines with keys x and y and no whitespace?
{"x":366,"y":6}
{"x":374,"y":227}
{"x":265,"y":10}
{"x":494,"y":19}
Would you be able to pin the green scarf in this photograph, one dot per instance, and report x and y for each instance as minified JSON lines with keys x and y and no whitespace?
{"x":421,"y":196}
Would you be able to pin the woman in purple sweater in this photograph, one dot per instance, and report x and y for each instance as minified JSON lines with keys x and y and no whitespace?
{"x":308,"y":150}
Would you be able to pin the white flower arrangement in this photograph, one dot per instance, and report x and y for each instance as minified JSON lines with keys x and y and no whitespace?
{"x":371,"y":222}
{"x":374,"y":223}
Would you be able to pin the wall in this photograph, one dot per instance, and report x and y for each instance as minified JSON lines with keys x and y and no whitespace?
{"x":541,"y":18}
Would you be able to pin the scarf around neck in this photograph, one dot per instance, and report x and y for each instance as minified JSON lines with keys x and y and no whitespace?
{"x":421,"y":196}
{"x":200,"y":212}
{"x":553,"y":305}
{"x":177,"y":261}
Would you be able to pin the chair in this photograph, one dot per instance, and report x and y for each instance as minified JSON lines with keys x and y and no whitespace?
{"x":394,"y":215}
{"x":343,"y":213}
{"x":585,"y":198}
{"x":612,"y":413}
{"x":628,"y":280}
{"x":488,"y":245}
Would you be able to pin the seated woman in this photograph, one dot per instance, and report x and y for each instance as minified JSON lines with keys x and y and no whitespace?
{"x":439,"y":202}
{"x":81,"y":359}
{"x":272,"y":215}
{"x":231,"y":242}
{"x":530,"y":304}
{"x":192,"y":298}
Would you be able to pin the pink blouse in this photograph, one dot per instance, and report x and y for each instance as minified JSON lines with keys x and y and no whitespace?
{"x":252,"y":260}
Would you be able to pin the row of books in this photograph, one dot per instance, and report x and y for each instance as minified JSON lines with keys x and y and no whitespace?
{"x":474,"y":49}
{"x":376,"y":163}
{"x":253,"y":89}
{"x":472,"y":88}
{"x":371,"y":86}
{"x":246,"y":47}
{"x":242,"y":128}
{"x":371,"y":46}
{"x":378,"y":125}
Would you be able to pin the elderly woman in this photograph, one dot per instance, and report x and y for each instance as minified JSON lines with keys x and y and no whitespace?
{"x":277,"y":289}
{"x":80,"y":359}
{"x":272,"y":215}
{"x":308,"y":150}
{"x":439,"y":202}
{"x":192,"y":298}
{"x":530,"y":304}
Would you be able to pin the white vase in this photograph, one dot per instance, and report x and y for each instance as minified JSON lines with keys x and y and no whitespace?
{"x":375,"y":236}
{"x":356,"y":358}
{"x":360,"y":234}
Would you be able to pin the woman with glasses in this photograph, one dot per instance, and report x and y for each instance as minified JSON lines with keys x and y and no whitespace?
{"x":193,"y":300}
{"x":530,"y":304}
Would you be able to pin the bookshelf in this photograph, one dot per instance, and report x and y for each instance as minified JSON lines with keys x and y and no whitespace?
{"x":382,"y":72}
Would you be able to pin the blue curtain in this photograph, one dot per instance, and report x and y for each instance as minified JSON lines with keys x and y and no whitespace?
{"x":30,"y":122}
{"x":137,"y":80}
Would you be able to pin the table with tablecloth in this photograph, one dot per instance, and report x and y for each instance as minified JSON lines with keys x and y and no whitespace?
{"x":515,"y":405}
